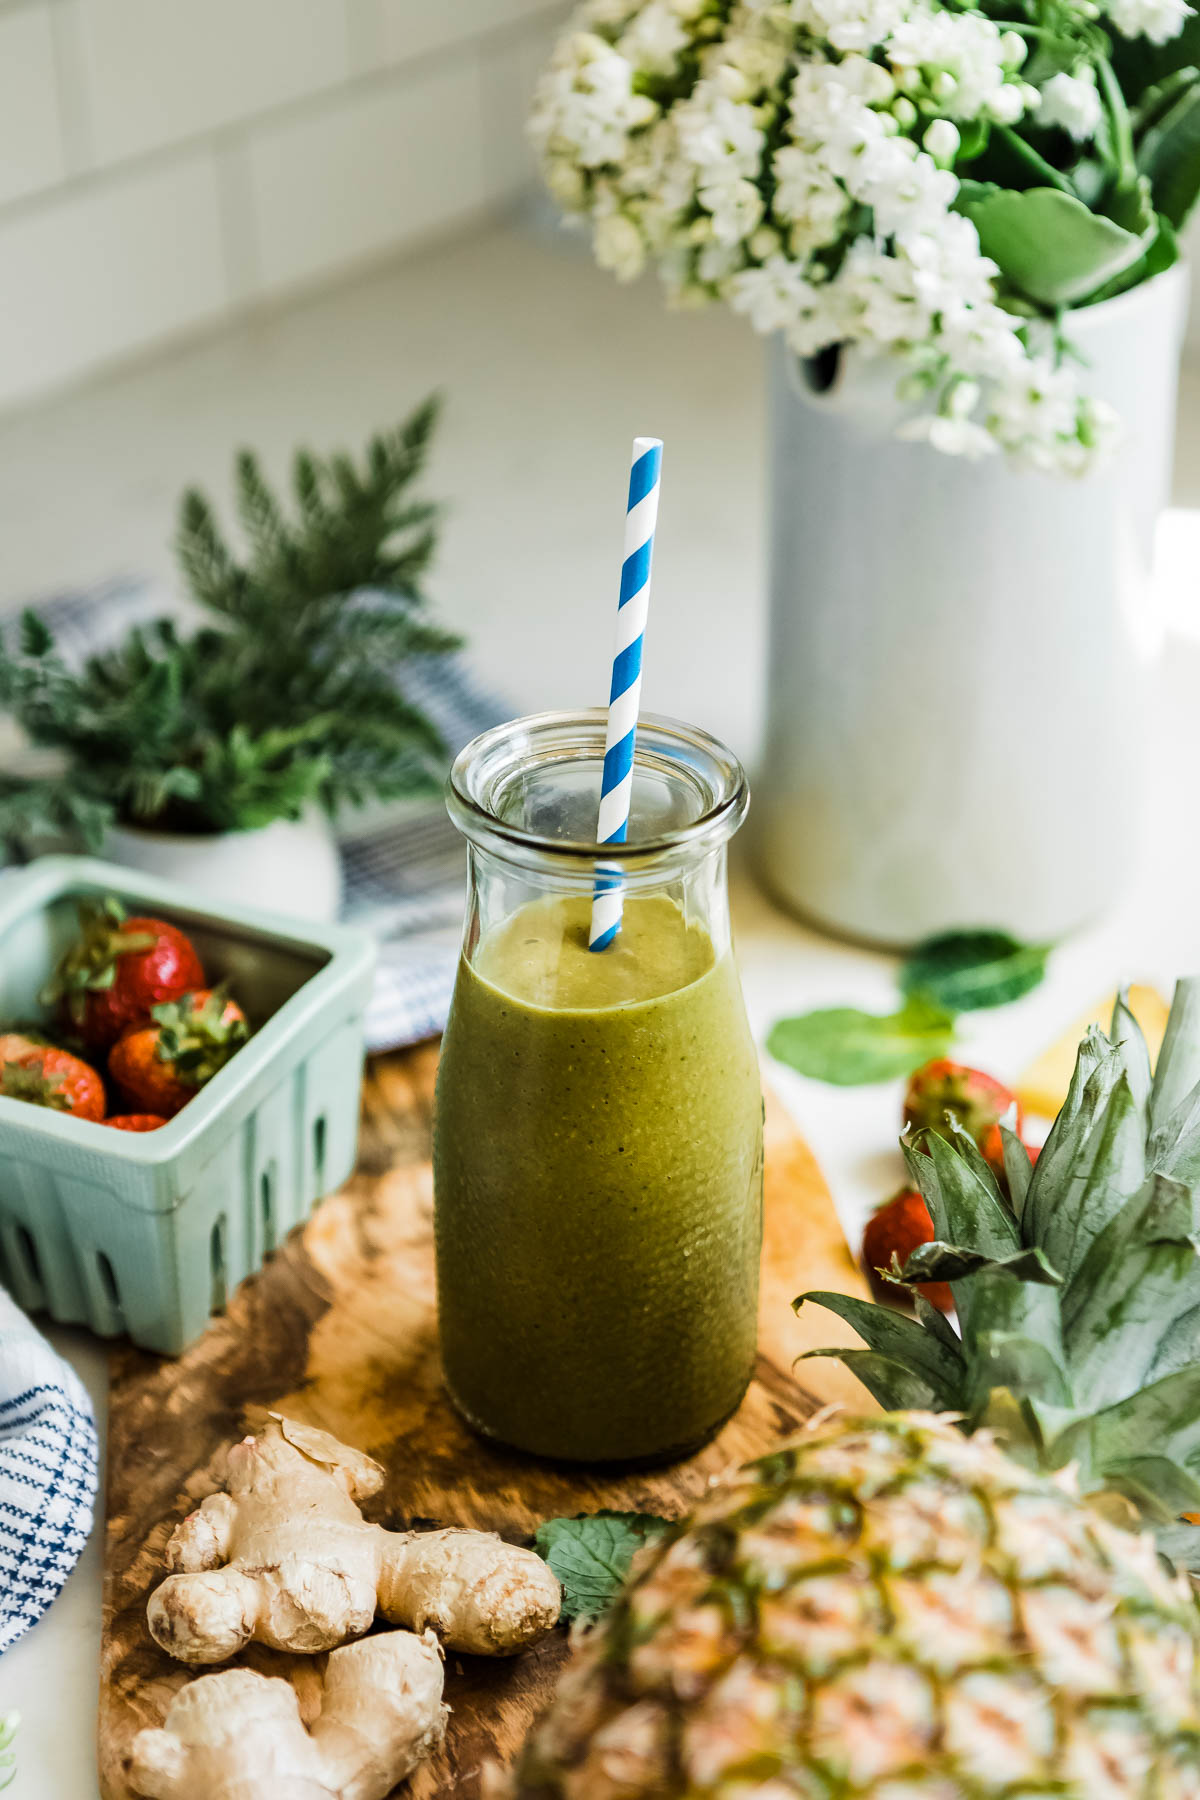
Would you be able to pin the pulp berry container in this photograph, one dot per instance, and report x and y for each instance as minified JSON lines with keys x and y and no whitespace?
{"x":148,"y":1233}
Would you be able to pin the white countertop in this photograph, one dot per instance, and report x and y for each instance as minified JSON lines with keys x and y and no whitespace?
{"x":548,"y":371}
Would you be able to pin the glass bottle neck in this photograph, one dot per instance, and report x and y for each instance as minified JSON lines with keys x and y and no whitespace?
{"x":526,"y":797}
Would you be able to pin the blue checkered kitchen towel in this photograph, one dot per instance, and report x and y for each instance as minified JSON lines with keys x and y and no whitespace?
{"x":48,"y":1463}
{"x":403,"y":875}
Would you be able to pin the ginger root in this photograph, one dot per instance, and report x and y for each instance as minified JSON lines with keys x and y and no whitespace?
{"x":239,"y":1736}
{"x":285,"y":1557}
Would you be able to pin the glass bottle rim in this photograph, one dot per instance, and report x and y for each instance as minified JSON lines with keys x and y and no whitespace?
{"x":484,"y":770}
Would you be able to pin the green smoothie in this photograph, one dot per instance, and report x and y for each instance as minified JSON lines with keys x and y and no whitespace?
{"x":598,"y":1185}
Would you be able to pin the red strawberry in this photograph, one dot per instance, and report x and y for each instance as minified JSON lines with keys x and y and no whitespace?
{"x":48,"y":1077}
{"x":945,"y":1090}
{"x":897,"y":1228}
{"x":134,"y":1121}
{"x":160,"y":1066}
{"x":119,"y":970}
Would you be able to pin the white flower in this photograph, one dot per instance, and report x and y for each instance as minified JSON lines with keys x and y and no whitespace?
{"x":865,"y":79}
{"x":952,"y":429}
{"x":849,"y":24}
{"x":619,"y":246}
{"x":942,"y":141}
{"x":759,"y":58}
{"x":720,"y":136}
{"x":905,"y":188}
{"x":1035,"y":410}
{"x":1073,"y":103}
{"x":859,"y":105}
{"x":773,"y":297}
{"x":654,"y":38}
{"x":1158,"y":20}
{"x":808,"y":199}
{"x":1006,"y":104}
{"x":718,"y":261}
{"x":952,"y":436}
{"x":736,"y":206}
{"x":586,"y":103}
{"x":964,"y":62}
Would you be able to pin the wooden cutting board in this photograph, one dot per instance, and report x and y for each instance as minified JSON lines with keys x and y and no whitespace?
{"x":339,"y":1330}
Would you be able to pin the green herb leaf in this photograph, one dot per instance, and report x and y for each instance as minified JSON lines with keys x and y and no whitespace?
{"x":591,"y":1555}
{"x":842,"y":1045}
{"x":965,"y":970}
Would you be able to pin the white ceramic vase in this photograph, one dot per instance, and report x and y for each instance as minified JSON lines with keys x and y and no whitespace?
{"x":958,"y":651}
{"x":289,"y":867}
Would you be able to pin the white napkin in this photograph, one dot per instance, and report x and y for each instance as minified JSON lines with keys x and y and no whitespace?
{"x":48,"y":1470}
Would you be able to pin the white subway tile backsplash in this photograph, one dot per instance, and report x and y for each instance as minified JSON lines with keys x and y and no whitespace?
{"x":373,"y":169}
{"x":106,"y":269}
{"x":31,"y":151}
{"x":162,"y":70}
{"x":412,"y":27}
{"x":163,"y":162}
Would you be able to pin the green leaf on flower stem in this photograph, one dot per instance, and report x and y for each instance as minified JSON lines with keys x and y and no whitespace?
{"x":966,"y":970}
{"x":1162,"y":254}
{"x":847,"y":1047}
{"x":1158,"y":100}
{"x":1169,"y":155}
{"x":1050,"y":246}
{"x":591,"y":1555}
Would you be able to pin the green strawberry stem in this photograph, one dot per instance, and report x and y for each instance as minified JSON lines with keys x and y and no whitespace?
{"x":198,"y":1040}
{"x":90,"y":966}
{"x":17,"y":1082}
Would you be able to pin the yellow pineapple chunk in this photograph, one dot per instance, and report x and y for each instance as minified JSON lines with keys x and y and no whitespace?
{"x":1043,"y":1087}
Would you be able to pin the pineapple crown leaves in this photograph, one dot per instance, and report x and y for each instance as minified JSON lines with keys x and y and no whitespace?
{"x":90,"y":966}
{"x":291,"y":694}
{"x":1077,"y":1285}
{"x":198,"y":1040}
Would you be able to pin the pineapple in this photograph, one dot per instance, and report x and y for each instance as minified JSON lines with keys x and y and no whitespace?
{"x":884,"y":1608}
{"x":892,"y":1608}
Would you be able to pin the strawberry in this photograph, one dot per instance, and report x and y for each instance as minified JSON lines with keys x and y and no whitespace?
{"x":118,"y":970}
{"x":48,"y":1077}
{"x":134,"y":1121}
{"x":945,"y":1090}
{"x":159,"y":1066}
{"x":900,"y":1224}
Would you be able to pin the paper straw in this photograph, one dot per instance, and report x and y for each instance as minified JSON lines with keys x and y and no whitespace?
{"x":616,"y":787}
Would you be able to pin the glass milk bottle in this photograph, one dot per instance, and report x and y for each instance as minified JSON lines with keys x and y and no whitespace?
{"x":598,"y":1123}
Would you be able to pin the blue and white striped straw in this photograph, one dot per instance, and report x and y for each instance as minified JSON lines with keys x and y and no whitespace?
{"x":616,"y":787}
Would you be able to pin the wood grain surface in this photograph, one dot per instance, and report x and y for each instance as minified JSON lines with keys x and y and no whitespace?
{"x":339,"y":1330}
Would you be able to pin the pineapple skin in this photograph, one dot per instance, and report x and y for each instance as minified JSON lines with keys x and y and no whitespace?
{"x":884,"y":1609}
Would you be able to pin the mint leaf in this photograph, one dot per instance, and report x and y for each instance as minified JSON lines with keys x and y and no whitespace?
{"x":591,"y":1555}
{"x":847,"y":1047}
{"x":965,"y":970}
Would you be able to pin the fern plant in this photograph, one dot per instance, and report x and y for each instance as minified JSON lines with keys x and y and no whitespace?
{"x":289,"y":696}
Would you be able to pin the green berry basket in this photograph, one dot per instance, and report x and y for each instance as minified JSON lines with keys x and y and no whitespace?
{"x":149,"y":1233}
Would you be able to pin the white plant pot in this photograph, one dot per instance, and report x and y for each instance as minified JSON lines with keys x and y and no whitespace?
{"x":958,"y":650}
{"x":286,"y":867}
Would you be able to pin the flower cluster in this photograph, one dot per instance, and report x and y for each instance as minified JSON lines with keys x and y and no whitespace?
{"x":795,"y":158}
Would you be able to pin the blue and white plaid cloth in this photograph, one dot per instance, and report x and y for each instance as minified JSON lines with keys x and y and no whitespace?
{"x":402,"y":878}
{"x":48,"y":1467}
